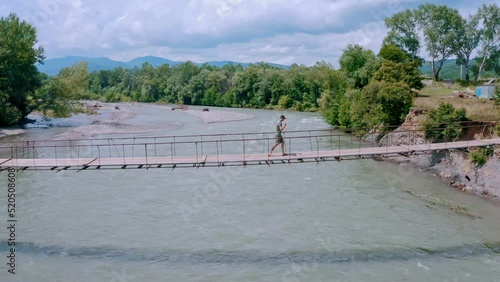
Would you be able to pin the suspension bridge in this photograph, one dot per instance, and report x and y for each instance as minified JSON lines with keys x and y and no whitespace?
{"x":215,"y":150}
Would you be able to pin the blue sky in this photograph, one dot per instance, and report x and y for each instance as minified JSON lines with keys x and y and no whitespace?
{"x":277,"y":31}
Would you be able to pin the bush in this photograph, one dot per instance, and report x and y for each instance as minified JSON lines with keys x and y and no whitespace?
{"x":464,"y":83}
{"x":10,"y":114}
{"x":481,"y":155}
{"x":285,"y":102}
{"x":444,"y":123}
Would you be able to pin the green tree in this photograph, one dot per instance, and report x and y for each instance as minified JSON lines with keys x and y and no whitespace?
{"x":394,"y":72}
{"x":393,"y":53}
{"x":489,"y":16}
{"x":18,"y":73}
{"x":379,"y":104}
{"x":335,"y":85}
{"x":58,"y":94}
{"x":493,"y":64}
{"x":467,"y":42}
{"x":440,"y":25}
{"x":198,"y":85}
{"x":352,"y":110}
{"x":212,"y":97}
{"x":285,"y":102}
{"x":389,"y":103}
{"x":358,"y":65}
{"x":403,"y":32}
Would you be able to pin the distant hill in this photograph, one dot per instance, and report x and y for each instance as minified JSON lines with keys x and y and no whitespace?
{"x":53,"y":66}
{"x":154,"y":61}
{"x":450,"y":70}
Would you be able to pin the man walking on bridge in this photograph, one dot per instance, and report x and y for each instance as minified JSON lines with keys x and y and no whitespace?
{"x":280,"y":127}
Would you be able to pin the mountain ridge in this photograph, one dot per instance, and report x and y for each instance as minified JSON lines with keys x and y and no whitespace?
{"x":53,"y":66}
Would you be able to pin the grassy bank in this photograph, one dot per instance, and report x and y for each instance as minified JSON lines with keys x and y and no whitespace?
{"x":477,"y":109}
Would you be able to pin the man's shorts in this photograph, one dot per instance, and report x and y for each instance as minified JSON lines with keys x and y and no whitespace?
{"x":279,"y":139}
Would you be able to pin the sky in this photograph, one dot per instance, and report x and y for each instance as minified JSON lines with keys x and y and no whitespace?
{"x":274,"y":31}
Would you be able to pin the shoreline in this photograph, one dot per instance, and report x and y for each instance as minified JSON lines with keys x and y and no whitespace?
{"x":116,"y":122}
{"x":117,"y":115}
{"x":456,"y":171}
{"x":5,"y":132}
{"x":454,"y":168}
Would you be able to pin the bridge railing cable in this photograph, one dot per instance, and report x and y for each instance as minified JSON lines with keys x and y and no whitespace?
{"x":217,"y":145}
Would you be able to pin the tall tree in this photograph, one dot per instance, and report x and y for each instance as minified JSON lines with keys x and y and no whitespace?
{"x":18,"y":74}
{"x":403,"y":32}
{"x":331,"y":99}
{"x":467,"y":42}
{"x":440,"y":28}
{"x":493,"y":64}
{"x":57,"y":95}
{"x":358,"y":64}
{"x":394,"y":72}
{"x":489,"y":16}
{"x":393,"y":53}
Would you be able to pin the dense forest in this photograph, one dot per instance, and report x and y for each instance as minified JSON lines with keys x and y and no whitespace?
{"x":368,"y":90}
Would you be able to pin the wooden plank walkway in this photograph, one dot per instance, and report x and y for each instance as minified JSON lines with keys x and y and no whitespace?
{"x":228,"y":160}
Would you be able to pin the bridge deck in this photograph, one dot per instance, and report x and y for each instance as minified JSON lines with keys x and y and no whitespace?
{"x":220,"y":160}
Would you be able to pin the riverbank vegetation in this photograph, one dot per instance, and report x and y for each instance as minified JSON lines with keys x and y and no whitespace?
{"x":480,"y":156}
{"x":368,"y":90}
{"x":444,"y":123}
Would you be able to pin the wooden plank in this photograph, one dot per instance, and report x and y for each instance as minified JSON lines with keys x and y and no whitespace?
{"x":45,"y":162}
{"x":198,"y":161}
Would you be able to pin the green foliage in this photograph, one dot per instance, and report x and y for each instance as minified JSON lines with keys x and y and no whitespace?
{"x":489,"y":17}
{"x":447,"y":34}
{"x":332,"y":97}
{"x":355,"y":105}
{"x":18,"y":73}
{"x":403,"y":33}
{"x":358,"y":65}
{"x":393,"y":53}
{"x":440,"y":25}
{"x":256,"y":86}
{"x":481,"y":155}
{"x":464,"y":83}
{"x":378,"y":104}
{"x":57,"y":95}
{"x":444,"y":123}
{"x":285,"y":102}
{"x":10,"y":114}
{"x":355,"y":110}
{"x":389,"y":103}
{"x":393,"y":72}
{"x":467,"y":42}
{"x":347,"y":106}
{"x":492,"y":65}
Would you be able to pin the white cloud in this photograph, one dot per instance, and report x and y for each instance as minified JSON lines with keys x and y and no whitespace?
{"x":281,"y":31}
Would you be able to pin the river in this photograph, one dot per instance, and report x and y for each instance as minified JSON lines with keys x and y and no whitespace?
{"x":360,"y":220}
